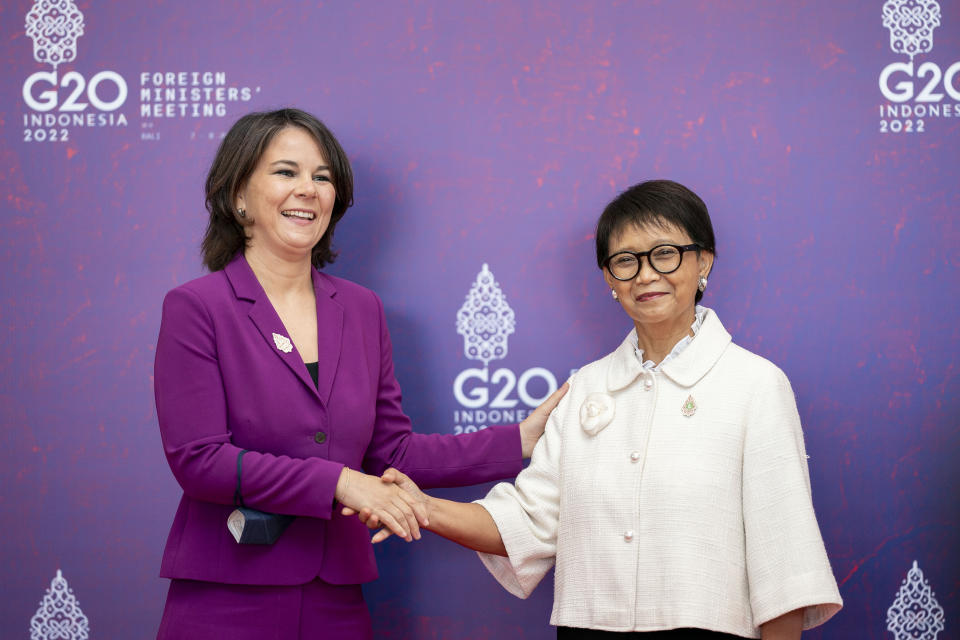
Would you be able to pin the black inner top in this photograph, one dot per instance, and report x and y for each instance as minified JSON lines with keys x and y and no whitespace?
{"x":314,"y":369}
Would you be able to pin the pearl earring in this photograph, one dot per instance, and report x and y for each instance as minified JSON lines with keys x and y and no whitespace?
{"x":702,"y":283}
{"x":613,"y":293}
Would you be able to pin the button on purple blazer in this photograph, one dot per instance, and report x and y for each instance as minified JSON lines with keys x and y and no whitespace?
{"x":223,"y":384}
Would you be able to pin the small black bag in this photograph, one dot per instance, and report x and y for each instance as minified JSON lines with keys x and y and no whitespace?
{"x":249,"y":526}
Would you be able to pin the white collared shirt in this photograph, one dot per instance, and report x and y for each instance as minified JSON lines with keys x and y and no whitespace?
{"x":660,"y":517}
{"x":699,"y":314}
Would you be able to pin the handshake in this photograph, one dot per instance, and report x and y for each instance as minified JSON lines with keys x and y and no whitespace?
{"x":392,"y":503}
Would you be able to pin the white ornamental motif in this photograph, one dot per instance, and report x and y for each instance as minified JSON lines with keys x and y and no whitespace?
{"x":283,"y":343}
{"x":911,"y":24}
{"x":54,"y":26}
{"x":485,"y":320}
{"x":915,"y":613}
{"x":59,"y":616}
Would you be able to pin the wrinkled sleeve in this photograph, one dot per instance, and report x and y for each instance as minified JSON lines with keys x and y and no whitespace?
{"x":433,"y":460}
{"x":527,"y":515}
{"x":192,"y":412}
{"x":787,"y":565}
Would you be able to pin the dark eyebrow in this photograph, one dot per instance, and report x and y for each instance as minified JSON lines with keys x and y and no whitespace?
{"x":656,"y":243}
{"x":293,"y":164}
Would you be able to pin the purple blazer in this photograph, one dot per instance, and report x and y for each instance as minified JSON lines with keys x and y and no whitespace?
{"x":223,"y":384}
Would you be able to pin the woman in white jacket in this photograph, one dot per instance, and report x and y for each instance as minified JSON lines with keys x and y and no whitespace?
{"x":671,"y":487}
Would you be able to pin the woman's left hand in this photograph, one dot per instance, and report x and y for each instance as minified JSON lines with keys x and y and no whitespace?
{"x":532,"y":428}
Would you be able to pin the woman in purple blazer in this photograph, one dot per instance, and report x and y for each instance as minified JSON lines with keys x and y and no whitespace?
{"x":267,"y":355}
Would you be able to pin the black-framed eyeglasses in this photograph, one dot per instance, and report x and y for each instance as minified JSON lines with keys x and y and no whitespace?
{"x":663,"y":258}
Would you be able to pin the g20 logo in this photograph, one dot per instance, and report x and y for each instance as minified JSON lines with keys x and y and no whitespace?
{"x":45,"y":92}
{"x":502,"y":383}
{"x":55,"y":27}
{"x":486,"y":321}
{"x":904,"y":89}
{"x":77,"y":89}
{"x":911,"y":24}
{"x":926,"y":86}
{"x":489,"y":399}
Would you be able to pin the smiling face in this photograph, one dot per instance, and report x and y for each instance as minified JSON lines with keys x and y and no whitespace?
{"x":655,"y":301}
{"x":288,"y":197}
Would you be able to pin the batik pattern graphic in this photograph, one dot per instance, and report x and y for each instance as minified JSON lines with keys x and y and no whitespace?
{"x":911,"y":24}
{"x":915,"y":613}
{"x":485,"y":320}
{"x":54,"y":26}
{"x":59,"y":616}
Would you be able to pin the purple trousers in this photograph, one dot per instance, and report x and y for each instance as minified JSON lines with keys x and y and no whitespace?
{"x":213,"y":611}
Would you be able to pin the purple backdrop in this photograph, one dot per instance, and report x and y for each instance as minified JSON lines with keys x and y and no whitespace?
{"x":486,"y":133}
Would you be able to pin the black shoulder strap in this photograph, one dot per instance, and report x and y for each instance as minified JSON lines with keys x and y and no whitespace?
{"x":237,"y":495}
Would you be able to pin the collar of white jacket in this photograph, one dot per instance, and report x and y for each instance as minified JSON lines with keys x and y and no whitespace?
{"x":687,"y":363}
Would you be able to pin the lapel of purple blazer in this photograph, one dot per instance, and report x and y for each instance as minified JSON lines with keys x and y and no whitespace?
{"x":329,"y":333}
{"x":265,"y":318}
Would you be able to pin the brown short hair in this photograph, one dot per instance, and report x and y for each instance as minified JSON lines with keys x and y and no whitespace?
{"x":238,"y":155}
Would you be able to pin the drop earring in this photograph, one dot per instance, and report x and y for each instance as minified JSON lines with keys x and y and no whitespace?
{"x":613,"y":293}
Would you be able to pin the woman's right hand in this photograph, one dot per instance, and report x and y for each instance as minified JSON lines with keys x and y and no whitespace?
{"x":385,"y":502}
{"x":409,"y":487}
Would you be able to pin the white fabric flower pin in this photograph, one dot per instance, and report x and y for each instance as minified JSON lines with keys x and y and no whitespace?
{"x":596,"y":412}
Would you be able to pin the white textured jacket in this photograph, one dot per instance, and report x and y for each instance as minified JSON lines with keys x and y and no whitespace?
{"x":670,"y":498}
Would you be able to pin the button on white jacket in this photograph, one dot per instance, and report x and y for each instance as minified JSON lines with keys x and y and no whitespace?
{"x":656,"y":519}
